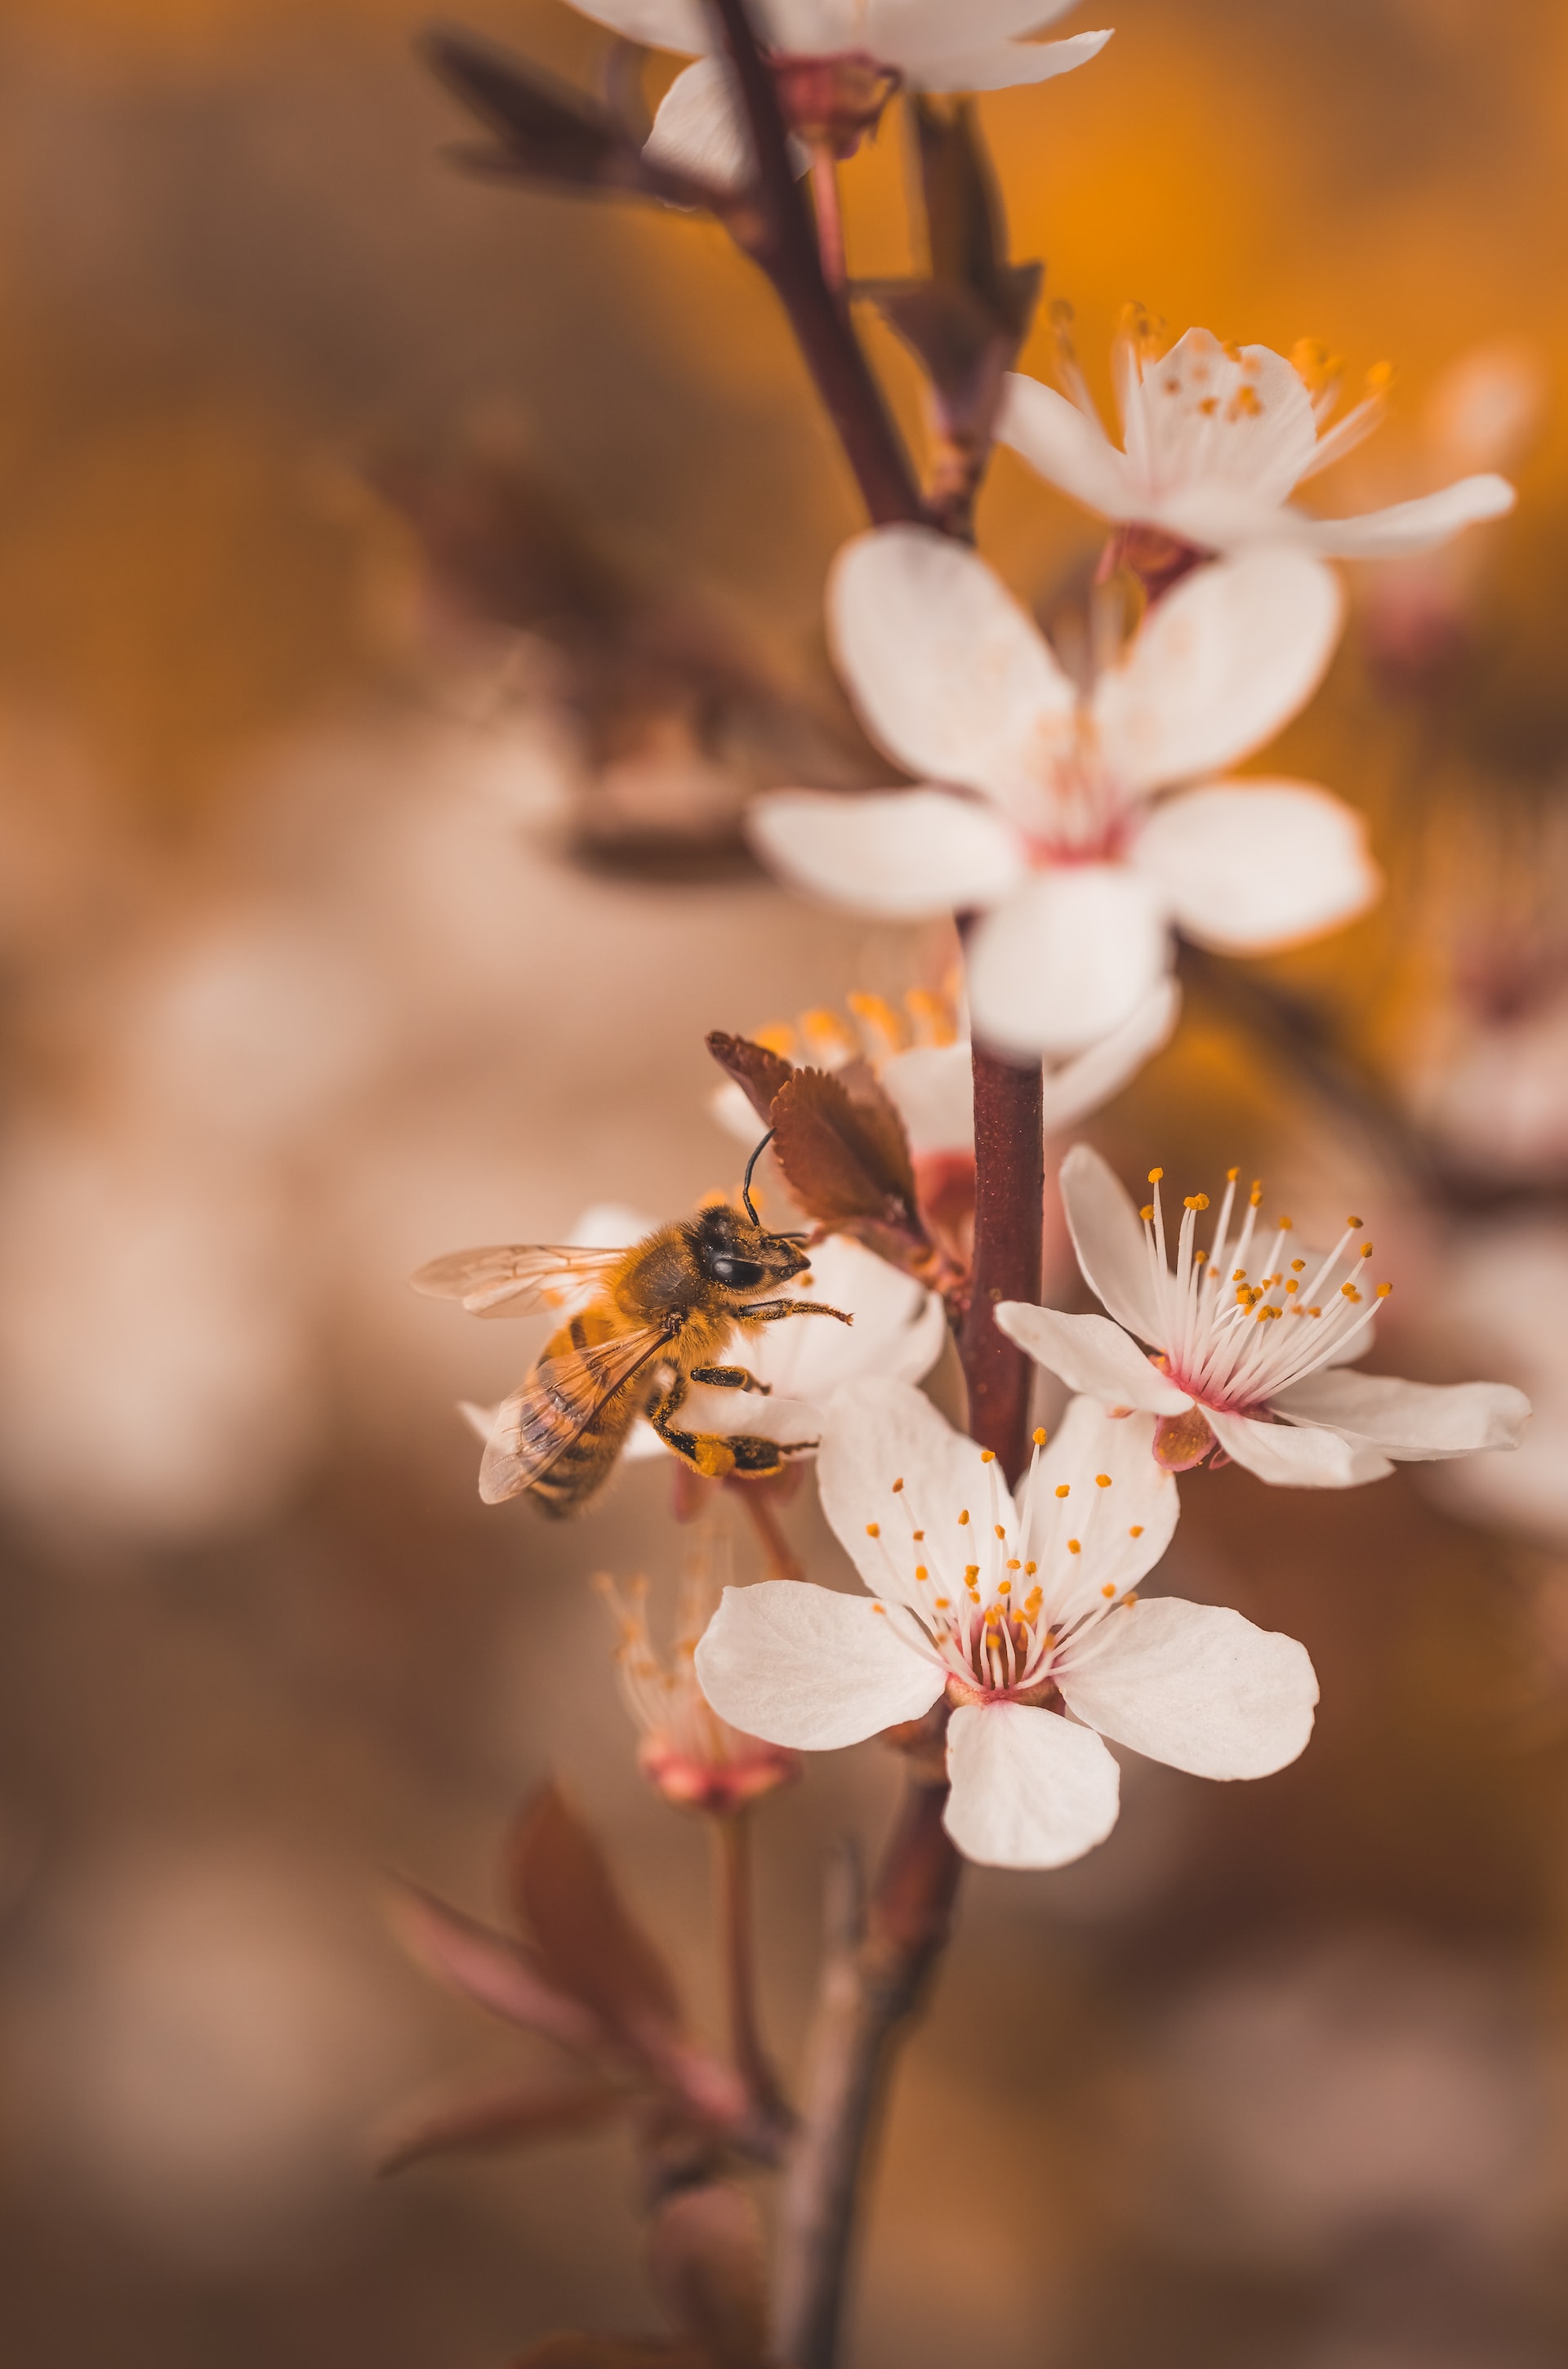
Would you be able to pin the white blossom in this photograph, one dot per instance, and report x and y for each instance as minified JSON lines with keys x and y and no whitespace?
{"x":1038,"y":808}
{"x":943,"y":45}
{"x":1023,"y":1618}
{"x":1215,"y":439}
{"x":1245,"y":1342}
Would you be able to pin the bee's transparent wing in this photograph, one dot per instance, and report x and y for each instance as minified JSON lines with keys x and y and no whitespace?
{"x":514,"y":1278}
{"x":556,"y":1406}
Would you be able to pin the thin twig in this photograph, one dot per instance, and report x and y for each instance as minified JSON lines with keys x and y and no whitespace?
{"x":778,"y":236}
{"x":876,"y":1972}
{"x":732,"y":1845}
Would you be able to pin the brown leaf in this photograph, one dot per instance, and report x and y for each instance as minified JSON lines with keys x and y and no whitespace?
{"x":497,"y":2116}
{"x":707,"y":2259}
{"x":590,"y":1944}
{"x":546,"y":129}
{"x":841,"y":1145}
{"x":755,"y":1071}
{"x":494,"y":1971}
{"x":612,"y":2353}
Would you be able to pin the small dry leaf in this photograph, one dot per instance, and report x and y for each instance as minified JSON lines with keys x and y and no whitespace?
{"x":590,"y":1944}
{"x":709,"y":2264}
{"x":546,"y":130}
{"x":758,"y":1072}
{"x":488,"y":1968}
{"x":841,"y":1145}
{"x":498,"y":2116}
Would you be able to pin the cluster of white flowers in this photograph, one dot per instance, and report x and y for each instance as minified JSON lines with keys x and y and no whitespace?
{"x":1075,"y":812}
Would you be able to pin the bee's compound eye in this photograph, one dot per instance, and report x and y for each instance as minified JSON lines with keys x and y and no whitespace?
{"x":740,"y":1274}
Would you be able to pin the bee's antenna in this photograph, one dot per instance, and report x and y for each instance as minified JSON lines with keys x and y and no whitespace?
{"x":746,"y":1185}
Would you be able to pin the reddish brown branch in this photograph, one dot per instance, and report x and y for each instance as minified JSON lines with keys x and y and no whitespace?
{"x":1008,"y":1192}
{"x":778,"y":236}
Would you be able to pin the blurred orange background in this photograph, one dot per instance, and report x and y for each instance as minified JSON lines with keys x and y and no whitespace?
{"x":402,"y":580}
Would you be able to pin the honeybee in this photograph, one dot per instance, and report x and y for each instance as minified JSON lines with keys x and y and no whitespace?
{"x":661,"y":1314}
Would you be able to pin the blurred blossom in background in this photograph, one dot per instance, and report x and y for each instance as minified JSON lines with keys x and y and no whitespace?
{"x":404,"y":583}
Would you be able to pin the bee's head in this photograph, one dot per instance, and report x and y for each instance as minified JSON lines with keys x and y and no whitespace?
{"x":740,"y":1255}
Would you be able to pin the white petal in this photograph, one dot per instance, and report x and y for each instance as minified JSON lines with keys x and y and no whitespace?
{"x":1292,"y":1458}
{"x":612,"y":1225}
{"x":952,"y":677}
{"x":879,"y":1432}
{"x":789,"y":1419}
{"x":898,"y":1328}
{"x":1415,"y":1422}
{"x":1406,"y":528}
{"x":1206,"y":427}
{"x":1091,"y":1078}
{"x":1247,"y":868}
{"x":905,"y":31}
{"x":799,"y":1665}
{"x":904,"y":855}
{"x":1069,"y":450}
{"x":699,"y":128}
{"x":1007,"y":64}
{"x":1029,"y":1788}
{"x":1090,"y":1354}
{"x":1067,"y":959}
{"x":1196,"y":1686}
{"x":1217,"y":666}
{"x":933,"y":1088}
{"x":1109,"y":1236}
{"x":1122,"y":1529}
{"x":681,"y":25}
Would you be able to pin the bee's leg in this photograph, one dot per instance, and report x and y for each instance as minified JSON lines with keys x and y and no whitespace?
{"x":729,"y":1377}
{"x":773,"y":1312}
{"x":713,"y":1456}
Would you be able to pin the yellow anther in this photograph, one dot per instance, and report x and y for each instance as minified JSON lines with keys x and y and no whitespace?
{"x":1109,"y":1588}
{"x":1366,"y":1249}
{"x":1314,"y":1312}
{"x":1255,"y":1195}
{"x":1102,"y":1480}
{"x":1147,"y":1213}
{"x":917,"y":1536}
{"x":999,"y":1531}
{"x":1286,"y":1225}
{"x":1240,"y":1276}
{"x":777,"y":1037}
{"x":1348,"y":1291}
{"x":1294,"y":1284}
{"x":1030,"y":1569}
{"x":971,"y":1573}
{"x":1297,"y":1266}
{"x":1196,"y":1201}
{"x":897,"y":1486}
{"x":1128,"y":1599}
{"x":1231,"y":1174}
{"x":874,"y":1012}
{"x":1155,"y":1174}
{"x":921,"y":1571}
{"x":1356,"y":1224}
{"x":1004,"y":1588}
{"x":988,"y":1455}
{"x":1380,"y":378}
{"x":874,"y":1529}
{"x":1063,"y":1487}
{"x":1075,"y":1546}
{"x":941,"y":1602}
{"x":879,"y":1607}
{"x":963,"y":1519}
{"x":1136,"y":1531}
{"x":1383,"y":1291}
{"x":1039,"y":1438}
{"x":1014,"y":1564}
